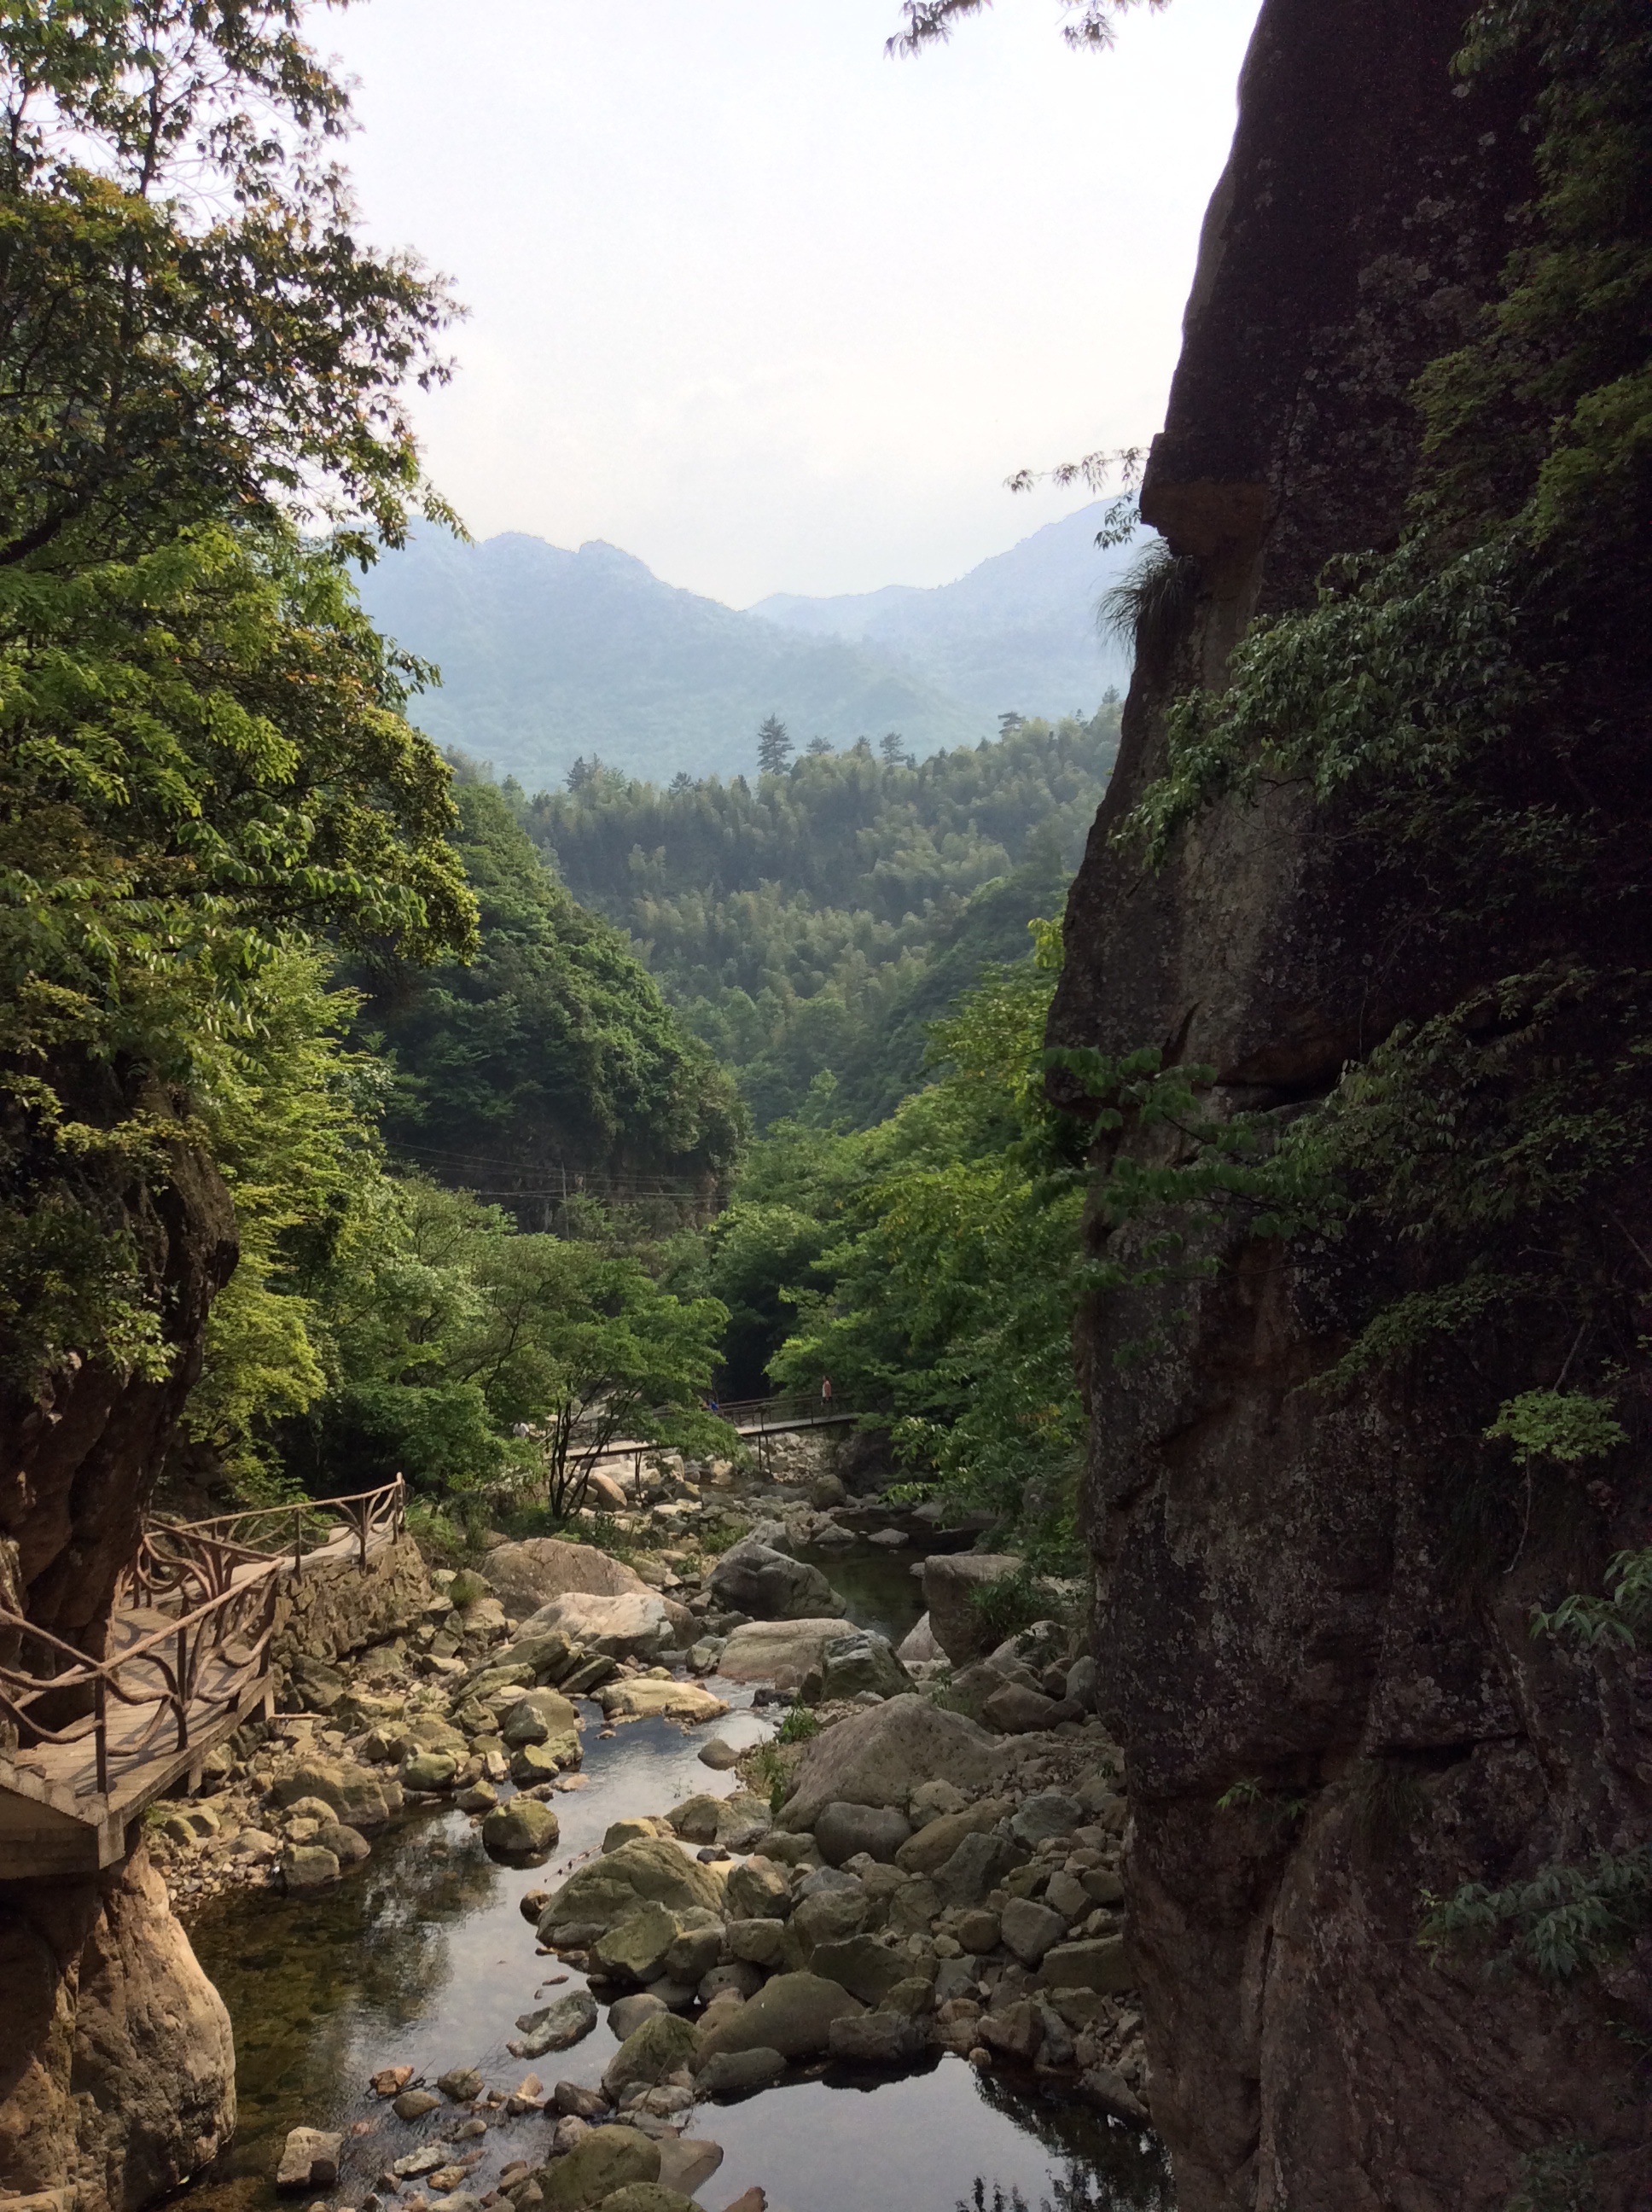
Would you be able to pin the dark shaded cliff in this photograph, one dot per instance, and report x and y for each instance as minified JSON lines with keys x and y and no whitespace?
{"x":1297,"y":1609}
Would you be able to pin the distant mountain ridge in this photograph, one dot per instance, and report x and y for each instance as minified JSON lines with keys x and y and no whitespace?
{"x":1018,"y":630}
{"x":547,"y":654}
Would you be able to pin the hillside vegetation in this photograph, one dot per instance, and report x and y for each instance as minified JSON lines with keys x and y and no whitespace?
{"x":811,"y":923}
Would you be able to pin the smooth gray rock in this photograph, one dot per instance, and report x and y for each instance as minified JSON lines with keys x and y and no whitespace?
{"x":877,"y":2039}
{"x":854,"y":1666}
{"x":879,"y":1757}
{"x":868,"y":1969}
{"x":978,"y":1865}
{"x":843,"y":1831}
{"x":758,"y":1890}
{"x":754,"y":1579}
{"x":792,"y":2015}
{"x":732,"y":2073}
{"x":1099,"y":1964}
{"x":627,"y":2015}
{"x":1020,"y":1711}
{"x":524,"y":1833}
{"x":948,"y":1579}
{"x":918,"y":1645}
{"x":555,"y":2027}
{"x":739,"y":1975}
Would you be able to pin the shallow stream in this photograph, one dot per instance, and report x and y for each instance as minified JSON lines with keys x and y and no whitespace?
{"x":421,"y":1958}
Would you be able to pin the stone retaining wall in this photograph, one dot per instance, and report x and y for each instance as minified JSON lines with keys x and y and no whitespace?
{"x":333,"y":1607}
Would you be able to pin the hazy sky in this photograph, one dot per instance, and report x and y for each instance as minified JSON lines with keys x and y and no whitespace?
{"x":766,"y":308}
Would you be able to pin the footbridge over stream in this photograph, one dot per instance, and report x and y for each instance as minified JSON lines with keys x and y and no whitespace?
{"x":94,"y":1741}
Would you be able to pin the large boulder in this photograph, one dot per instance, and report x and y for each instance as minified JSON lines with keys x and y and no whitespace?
{"x":843,"y":1832}
{"x":852,"y":1665}
{"x":634,"y":1948}
{"x":1098,"y":1964}
{"x":650,"y":1870}
{"x":757,"y":1579}
{"x":360,"y":1798}
{"x":538,"y":1715}
{"x":950,"y":1581}
{"x":631,"y":1625}
{"x":1030,"y":1929}
{"x":650,"y":2052}
{"x":880,"y":1756}
{"x":529,"y":1575}
{"x":758,"y":1890}
{"x":937,"y":1840}
{"x":918,"y":1645}
{"x":606,"y":2160}
{"x":868,"y":1969}
{"x":644,"y":1697}
{"x":793,"y":2014}
{"x":784,"y":1652}
{"x":523,"y":1832}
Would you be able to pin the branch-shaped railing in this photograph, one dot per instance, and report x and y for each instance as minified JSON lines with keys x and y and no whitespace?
{"x":214,"y":1586}
{"x":197,"y":1666}
{"x":297,"y":1530}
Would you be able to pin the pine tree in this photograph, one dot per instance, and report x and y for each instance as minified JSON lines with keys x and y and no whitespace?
{"x":774,"y":747}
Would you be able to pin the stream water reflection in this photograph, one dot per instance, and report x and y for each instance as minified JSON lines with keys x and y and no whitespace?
{"x":421,"y":1958}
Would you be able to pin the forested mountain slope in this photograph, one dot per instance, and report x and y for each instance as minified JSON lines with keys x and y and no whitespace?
{"x":548,"y":656}
{"x":1019,"y":628}
{"x":813,"y":920}
{"x":550,"y":1064}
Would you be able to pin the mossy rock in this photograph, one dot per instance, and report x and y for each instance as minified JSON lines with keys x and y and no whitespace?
{"x":603,"y":2162}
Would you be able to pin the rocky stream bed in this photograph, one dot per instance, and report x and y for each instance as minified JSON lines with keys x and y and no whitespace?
{"x":632,"y":1896}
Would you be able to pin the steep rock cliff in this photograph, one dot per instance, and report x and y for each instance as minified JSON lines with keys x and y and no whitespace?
{"x":1284,"y":1602}
{"x":116,"y":2063}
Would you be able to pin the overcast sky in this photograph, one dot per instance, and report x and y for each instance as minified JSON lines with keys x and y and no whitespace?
{"x":766,"y":308}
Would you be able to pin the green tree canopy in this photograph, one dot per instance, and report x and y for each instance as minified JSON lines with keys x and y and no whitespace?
{"x":189,"y":327}
{"x":550,"y":1063}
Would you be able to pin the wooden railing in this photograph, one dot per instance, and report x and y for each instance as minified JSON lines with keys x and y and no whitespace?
{"x":213,"y":1588}
{"x":296,"y":1530}
{"x":200,"y":1662}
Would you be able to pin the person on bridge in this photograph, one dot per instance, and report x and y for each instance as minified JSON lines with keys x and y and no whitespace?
{"x":826,"y":1391}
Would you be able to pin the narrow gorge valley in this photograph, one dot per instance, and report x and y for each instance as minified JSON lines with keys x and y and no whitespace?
{"x":913,"y":1474}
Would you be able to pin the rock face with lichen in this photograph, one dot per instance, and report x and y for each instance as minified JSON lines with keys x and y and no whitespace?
{"x":117,"y":2065}
{"x":1283,"y":1603}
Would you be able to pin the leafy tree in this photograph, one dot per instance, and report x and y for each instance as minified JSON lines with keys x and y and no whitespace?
{"x":774,"y":747}
{"x":464,"y":1353}
{"x":549,"y":1064}
{"x":928,"y":1266}
{"x":190,"y":328}
{"x":202,"y":756}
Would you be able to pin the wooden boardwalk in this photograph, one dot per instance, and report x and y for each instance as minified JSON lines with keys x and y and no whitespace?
{"x":188,"y":1662}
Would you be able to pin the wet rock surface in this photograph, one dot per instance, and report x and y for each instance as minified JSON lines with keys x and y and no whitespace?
{"x":718,"y":1952}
